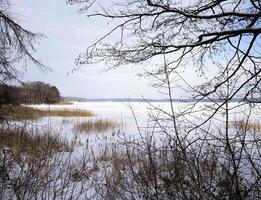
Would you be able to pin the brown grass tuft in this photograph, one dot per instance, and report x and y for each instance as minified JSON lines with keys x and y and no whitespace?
{"x":63,"y":103}
{"x":243,"y":126}
{"x":94,"y":125}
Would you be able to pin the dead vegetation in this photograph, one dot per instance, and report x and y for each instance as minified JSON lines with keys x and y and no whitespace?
{"x":244,"y":126}
{"x":37,"y":165}
{"x":28,"y":113}
{"x":18,"y":140}
{"x":63,"y":103}
{"x":94,"y":125}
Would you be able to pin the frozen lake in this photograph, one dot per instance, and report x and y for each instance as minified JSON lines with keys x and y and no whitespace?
{"x":122,"y":111}
{"x":146,"y":114}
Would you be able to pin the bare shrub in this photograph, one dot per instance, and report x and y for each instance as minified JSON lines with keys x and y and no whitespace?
{"x":40,"y":167}
{"x":208,"y":169}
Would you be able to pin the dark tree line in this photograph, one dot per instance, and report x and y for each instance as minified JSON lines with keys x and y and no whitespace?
{"x":16,"y":48}
{"x":33,"y":93}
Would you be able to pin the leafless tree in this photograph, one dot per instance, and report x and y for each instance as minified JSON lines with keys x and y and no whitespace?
{"x":16,"y":44}
{"x":200,"y":34}
{"x":202,"y":157}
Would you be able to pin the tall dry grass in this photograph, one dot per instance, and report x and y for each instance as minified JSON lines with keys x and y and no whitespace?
{"x":94,"y":125}
{"x":28,"y":113}
{"x":242,"y":126}
{"x":19,"y":140}
{"x":64,"y":103}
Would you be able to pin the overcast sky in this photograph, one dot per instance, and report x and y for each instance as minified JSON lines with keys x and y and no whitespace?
{"x":67,"y":35}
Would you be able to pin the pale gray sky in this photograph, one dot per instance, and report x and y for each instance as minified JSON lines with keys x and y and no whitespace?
{"x":67,"y":35}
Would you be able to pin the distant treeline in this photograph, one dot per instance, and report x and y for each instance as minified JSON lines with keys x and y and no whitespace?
{"x":29,"y":93}
{"x":181,"y":100}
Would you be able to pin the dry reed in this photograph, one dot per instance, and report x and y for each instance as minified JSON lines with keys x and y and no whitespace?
{"x":64,"y":103}
{"x":29,"y":113}
{"x":94,"y":125}
{"x":247,"y":126}
{"x":19,"y":140}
